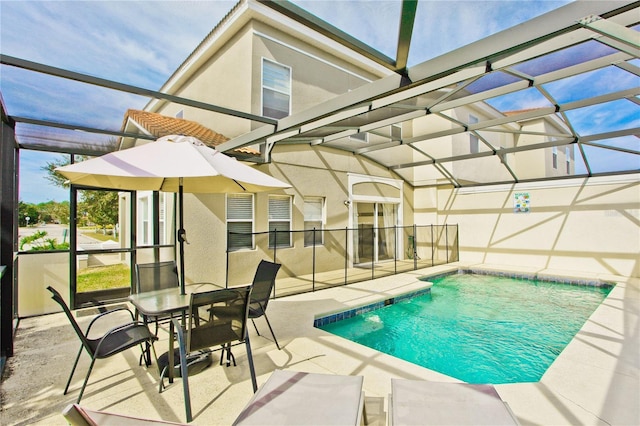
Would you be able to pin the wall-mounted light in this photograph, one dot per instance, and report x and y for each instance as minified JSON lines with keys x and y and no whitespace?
{"x":347,"y":202}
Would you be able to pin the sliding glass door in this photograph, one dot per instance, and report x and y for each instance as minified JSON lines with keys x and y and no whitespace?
{"x":375,"y":235}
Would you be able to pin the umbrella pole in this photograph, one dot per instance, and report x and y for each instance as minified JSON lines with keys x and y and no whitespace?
{"x":181,"y":236}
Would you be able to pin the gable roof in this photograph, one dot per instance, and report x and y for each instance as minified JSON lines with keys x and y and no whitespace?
{"x":158,"y":125}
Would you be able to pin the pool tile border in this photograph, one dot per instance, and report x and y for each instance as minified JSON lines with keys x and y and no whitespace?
{"x":531,"y":277}
{"x":350,"y":313}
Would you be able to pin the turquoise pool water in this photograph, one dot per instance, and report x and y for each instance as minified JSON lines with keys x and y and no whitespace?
{"x":479,"y":328}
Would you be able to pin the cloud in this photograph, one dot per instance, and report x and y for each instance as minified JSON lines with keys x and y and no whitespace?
{"x":442,"y":26}
{"x":135,"y":42}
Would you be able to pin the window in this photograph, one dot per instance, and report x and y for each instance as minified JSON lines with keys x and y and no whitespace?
{"x":567,"y":153}
{"x":279,"y":220}
{"x":313,"y":219}
{"x":276,"y":89}
{"x":145,"y":215}
{"x":474,"y":147}
{"x":144,"y":222}
{"x":162,"y":218}
{"x":240,"y":221}
{"x":555,"y":157}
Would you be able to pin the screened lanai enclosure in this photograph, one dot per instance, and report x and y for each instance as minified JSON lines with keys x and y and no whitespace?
{"x":554,"y":94}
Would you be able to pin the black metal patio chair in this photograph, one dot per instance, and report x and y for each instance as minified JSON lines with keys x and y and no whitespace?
{"x":206,"y":332}
{"x":262,"y":287}
{"x":156,"y":276}
{"x":114,"y":341}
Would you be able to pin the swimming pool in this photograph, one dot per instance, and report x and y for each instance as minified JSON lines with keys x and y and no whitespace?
{"x":478,"y":328}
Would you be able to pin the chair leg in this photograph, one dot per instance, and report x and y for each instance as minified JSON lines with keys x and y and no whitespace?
{"x":254,"y":326}
{"x":146,"y":356}
{"x":252,"y":369}
{"x":161,"y":382}
{"x":75,"y":364}
{"x":230,"y":357}
{"x":86,"y":380}
{"x":185,"y":383}
{"x":271,"y":329}
{"x":184,"y":372}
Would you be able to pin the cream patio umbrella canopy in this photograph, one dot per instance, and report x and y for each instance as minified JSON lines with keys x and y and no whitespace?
{"x":171,"y":164}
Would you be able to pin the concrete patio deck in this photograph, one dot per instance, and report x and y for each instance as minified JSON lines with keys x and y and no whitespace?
{"x":594,"y":381}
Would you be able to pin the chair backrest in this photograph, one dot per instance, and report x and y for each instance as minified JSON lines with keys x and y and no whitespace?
{"x":263,"y":282}
{"x":156,"y":276}
{"x":212,"y":331}
{"x":58,"y":298}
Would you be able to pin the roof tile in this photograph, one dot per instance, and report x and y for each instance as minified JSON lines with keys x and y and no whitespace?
{"x":159,"y":125}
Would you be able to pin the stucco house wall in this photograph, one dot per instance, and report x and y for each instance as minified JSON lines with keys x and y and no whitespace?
{"x":313,"y":172}
{"x":579,"y":225}
{"x":573,"y":224}
{"x":231,"y":76}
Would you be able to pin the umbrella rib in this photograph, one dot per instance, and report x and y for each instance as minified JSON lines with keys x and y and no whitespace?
{"x":240,"y":185}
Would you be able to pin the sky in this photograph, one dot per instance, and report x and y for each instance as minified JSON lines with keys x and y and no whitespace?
{"x":143,"y":42}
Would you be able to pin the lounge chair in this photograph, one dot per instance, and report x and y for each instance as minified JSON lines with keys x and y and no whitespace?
{"x":81,"y":416}
{"x":296,"y":398}
{"x":416,"y":402}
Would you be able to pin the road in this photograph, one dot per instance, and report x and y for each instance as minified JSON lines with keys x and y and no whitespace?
{"x":57,"y":231}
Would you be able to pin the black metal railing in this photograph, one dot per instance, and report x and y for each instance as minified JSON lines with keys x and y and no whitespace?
{"x":316,"y":259}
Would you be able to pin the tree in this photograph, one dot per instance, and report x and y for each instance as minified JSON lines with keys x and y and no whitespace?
{"x":54,"y":177}
{"x":101,"y":207}
{"x":60,"y":212}
{"x":27,"y":210}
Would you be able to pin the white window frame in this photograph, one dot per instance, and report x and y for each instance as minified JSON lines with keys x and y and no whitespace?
{"x":323,"y":220}
{"x":279,"y":240}
{"x":238,"y":218}
{"x":144,"y":214}
{"x":145,"y":218}
{"x":162,"y":215}
{"x":264,"y":87}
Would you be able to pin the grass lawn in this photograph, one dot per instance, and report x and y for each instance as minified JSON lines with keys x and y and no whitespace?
{"x":104,"y":277}
{"x":98,"y":235}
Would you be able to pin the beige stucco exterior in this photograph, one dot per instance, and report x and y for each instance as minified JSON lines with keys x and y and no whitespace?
{"x":589,"y":225}
{"x":581,"y":225}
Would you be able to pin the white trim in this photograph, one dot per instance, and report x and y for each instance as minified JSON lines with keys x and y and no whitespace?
{"x":354,"y":179}
{"x":310,"y":55}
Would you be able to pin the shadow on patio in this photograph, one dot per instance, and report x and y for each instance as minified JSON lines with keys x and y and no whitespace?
{"x":596,"y":379}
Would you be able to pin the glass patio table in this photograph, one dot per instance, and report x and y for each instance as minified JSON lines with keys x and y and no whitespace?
{"x":168,"y":302}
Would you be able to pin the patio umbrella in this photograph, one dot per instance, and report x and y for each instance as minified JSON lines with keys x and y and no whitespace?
{"x":171,"y":164}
